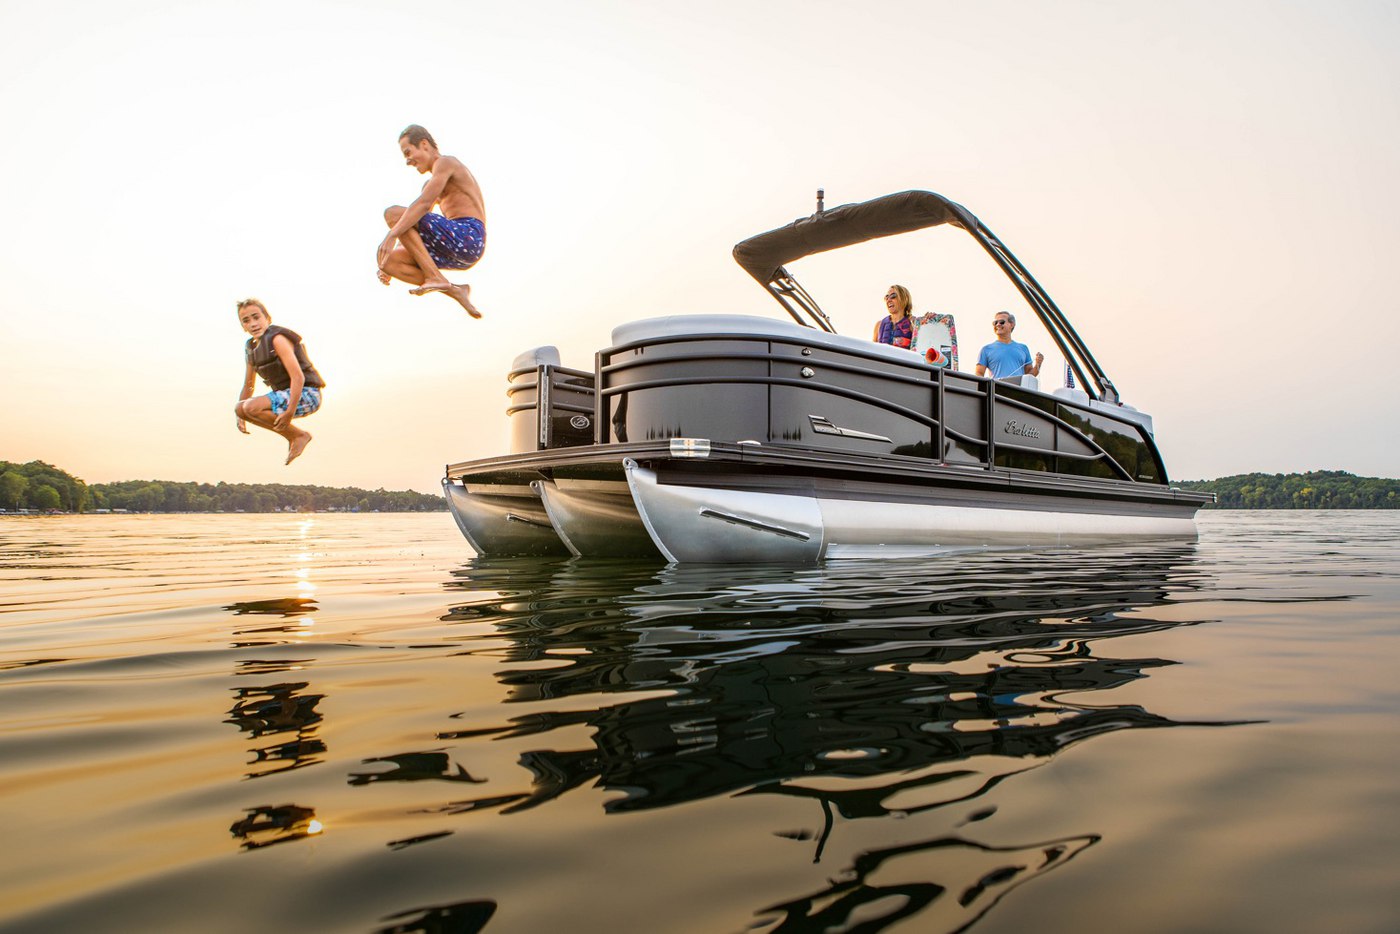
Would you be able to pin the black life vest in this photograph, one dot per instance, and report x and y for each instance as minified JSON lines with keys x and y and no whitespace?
{"x":264,"y":359}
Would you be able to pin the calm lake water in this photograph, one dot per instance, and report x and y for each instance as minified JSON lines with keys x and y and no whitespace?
{"x":344,"y":723}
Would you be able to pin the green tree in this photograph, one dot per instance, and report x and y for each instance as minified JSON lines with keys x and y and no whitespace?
{"x":12,"y":488}
{"x":149,"y":498}
{"x":72,"y":492}
{"x":45,"y":497}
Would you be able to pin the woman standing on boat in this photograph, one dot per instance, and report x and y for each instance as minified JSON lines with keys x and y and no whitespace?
{"x":897,"y":327}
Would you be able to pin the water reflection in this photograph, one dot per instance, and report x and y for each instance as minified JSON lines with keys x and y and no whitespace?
{"x":871,"y":689}
{"x":294,"y":611}
{"x":889,"y":885}
{"x":461,"y":918}
{"x":415,"y":767}
{"x":937,"y":679}
{"x":274,"y":710}
{"x":268,"y":825}
{"x":280,"y":708}
{"x":421,"y":838}
{"x":284,"y":606}
{"x":858,"y":746}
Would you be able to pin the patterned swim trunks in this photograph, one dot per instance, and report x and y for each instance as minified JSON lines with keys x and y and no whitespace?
{"x":453,"y":244}
{"x":309,"y":402}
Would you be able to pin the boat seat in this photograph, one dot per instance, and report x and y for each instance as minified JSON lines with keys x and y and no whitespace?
{"x":1072,"y":393}
{"x":1024,"y":380}
{"x":751,"y":325}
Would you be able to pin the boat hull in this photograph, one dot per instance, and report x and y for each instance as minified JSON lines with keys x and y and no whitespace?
{"x":743,"y":504}
{"x":498,"y":519}
{"x":596,"y":519}
{"x":712,"y":524}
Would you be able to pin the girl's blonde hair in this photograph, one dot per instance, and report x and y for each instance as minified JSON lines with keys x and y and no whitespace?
{"x":904,"y":297}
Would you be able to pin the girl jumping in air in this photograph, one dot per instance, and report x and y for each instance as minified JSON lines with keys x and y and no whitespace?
{"x":277,"y":355}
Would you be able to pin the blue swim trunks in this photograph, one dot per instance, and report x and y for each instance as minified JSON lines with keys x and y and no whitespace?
{"x":453,"y":244}
{"x":309,"y":402}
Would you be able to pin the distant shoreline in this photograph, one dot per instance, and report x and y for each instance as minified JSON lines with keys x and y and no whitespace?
{"x":1317,"y":489}
{"x":39,"y":488}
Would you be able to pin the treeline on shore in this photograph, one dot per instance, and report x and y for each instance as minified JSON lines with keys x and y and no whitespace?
{"x":45,"y":488}
{"x":1318,"y":489}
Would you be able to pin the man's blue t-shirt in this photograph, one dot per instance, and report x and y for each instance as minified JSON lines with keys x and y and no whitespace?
{"x":1005,"y":360}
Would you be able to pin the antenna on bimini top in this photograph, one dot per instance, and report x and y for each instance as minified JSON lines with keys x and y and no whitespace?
{"x":821,"y":195}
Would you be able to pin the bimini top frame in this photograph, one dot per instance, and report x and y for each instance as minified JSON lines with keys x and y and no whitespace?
{"x":764,"y":257}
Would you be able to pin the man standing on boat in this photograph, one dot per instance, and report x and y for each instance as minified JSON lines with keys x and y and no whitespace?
{"x":420,"y":244}
{"x":1005,"y":357}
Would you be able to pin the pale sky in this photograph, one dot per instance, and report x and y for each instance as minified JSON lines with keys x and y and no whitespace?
{"x":1208,"y":190}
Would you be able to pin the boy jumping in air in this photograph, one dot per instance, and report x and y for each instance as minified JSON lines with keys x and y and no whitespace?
{"x":428,"y":243}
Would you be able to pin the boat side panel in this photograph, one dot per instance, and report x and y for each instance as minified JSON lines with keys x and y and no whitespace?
{"x":744,"y":389}
{"x":822,"y":399}
{"x":1127,"y":443}
{"x":679,"y":395}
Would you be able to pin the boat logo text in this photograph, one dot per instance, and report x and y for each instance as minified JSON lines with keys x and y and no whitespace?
{"x":1012,"y":427}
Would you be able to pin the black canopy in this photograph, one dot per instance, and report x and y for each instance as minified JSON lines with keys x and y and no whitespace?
{"x":764,"y":255}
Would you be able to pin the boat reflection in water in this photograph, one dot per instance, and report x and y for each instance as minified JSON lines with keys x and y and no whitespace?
{"x":874,"y":689}
{"x":881,"y":888}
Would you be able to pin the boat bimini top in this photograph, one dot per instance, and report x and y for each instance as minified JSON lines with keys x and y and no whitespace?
{"x":765,"y":257}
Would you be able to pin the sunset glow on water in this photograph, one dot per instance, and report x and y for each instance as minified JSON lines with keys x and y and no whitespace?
{"x":339,"y":722}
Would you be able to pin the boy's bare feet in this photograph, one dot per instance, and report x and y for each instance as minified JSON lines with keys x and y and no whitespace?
{"x":384,"y":277}
{"x":459,"y":293}
{"x":431,"y":285}
{"x":297,"y":445}
{"x":462,"y":293}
